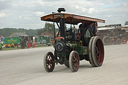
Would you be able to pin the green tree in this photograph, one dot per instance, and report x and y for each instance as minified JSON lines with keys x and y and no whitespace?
{"x":126,"y":23}
{"x":6,"y":32}
{"x":47,"y":28}
{"x":40,"y":31}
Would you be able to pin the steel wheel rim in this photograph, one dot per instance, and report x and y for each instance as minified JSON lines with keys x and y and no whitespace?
{"x":75,"y":61}
{"x":107,"y":41}
{"x":28,"y":44}
{"x":50,"y":62}
{"x":34,"y":45}
{"x":118,"y":41}
{"x":99,"y":51}
{"x":124,"y":40}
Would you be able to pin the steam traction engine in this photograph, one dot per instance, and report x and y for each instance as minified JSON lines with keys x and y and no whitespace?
{"x":73,"y":45}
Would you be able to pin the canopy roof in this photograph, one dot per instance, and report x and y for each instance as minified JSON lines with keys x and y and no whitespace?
{"x":70,"y":18}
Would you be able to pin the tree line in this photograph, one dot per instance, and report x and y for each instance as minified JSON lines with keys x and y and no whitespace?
{"x":126,"y":23}
{"x":6,"y":32}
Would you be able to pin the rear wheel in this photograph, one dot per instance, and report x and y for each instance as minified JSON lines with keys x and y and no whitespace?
{"x":22,"y":45}
{"x":28,"y":44}
{"x":118,"y":41}
{"x":107,"y":40}
{"x":124,"y":40}
{"x":49,"y":62}
{"x":74,"y":61}
{"x":97,"y":51}
{"x":90,"y":51}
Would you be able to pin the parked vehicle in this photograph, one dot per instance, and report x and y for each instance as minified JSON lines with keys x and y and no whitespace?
{"x":112,"y":35}
{"x":27,"y":41}
{"x":45,"y":40}
{"x":72,"y":45}
{"x":21,"y":41}
{"x":11,"y":41}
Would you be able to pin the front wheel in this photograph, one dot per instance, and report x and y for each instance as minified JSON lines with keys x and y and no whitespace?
{"x":28,"y":44}
{"x":74,"y":61}
{"x":49,"y":62}
{"x":22,"y":45}
{"x":33,"y":45}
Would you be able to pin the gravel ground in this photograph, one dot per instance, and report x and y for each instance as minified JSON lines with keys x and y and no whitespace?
{"x":25,"y":67}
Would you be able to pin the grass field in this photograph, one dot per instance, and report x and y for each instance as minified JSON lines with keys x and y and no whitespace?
{"x":15,"y":48}
{"x":3,"y":49}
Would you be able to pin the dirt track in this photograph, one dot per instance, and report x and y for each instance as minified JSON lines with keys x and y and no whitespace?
{"x":25,"y":67}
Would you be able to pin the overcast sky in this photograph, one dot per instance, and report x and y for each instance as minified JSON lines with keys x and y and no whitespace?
{"x":26,"y":13}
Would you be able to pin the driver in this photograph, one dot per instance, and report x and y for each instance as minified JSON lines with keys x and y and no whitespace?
{"x":92,"y":28}
{"x":82,"y":29}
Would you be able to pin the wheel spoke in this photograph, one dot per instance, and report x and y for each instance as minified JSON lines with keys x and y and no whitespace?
{"x":75,"y":61}
{"x":75,"y":65}
{"x":49,"y":62}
